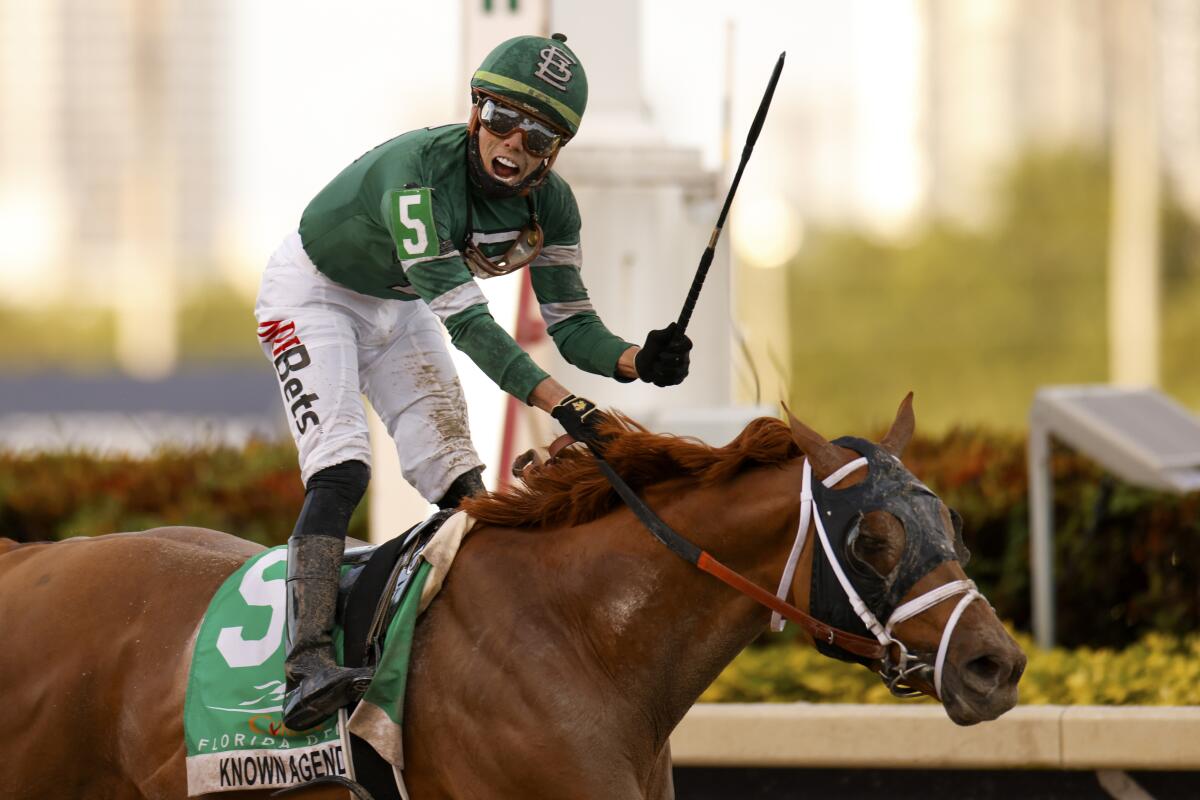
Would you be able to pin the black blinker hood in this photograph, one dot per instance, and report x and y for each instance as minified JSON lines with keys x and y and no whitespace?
{"x":890,"y":487}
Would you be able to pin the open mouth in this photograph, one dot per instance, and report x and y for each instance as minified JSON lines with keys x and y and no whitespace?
{"x":505,"y":168}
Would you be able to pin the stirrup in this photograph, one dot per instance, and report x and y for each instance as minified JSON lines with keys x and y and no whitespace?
{"x":313,"y":701}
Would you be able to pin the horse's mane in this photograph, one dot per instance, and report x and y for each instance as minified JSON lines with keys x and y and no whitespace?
{"x":570,"y":490}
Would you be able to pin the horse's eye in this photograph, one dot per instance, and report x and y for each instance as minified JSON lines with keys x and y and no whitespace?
{"x":870,"y":547}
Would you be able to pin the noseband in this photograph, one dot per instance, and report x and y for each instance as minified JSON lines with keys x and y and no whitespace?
{"x":899,"y":670}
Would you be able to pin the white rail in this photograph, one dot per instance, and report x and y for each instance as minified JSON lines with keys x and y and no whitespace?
{"x":922,"y":737}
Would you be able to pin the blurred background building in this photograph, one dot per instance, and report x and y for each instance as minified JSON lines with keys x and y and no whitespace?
{"x":930,"y":205}
{"x":113,"y":144}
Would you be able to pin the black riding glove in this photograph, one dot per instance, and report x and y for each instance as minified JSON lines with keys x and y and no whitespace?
{"x":579,"y":417}
{"x":664,"y":358}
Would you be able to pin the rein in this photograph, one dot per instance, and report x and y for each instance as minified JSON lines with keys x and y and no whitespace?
{"x":689,"y":552}
{"x":897,"y":674}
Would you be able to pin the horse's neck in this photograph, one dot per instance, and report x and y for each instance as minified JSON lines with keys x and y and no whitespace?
{"x":665,"y":629}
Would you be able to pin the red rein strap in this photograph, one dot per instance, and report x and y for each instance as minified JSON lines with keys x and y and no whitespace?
{"x":851,"y":643}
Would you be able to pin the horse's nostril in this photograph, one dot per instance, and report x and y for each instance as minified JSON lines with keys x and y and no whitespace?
{"x":985,"y":669}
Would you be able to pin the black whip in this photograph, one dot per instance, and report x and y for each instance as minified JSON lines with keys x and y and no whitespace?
{"x":689,"y":305}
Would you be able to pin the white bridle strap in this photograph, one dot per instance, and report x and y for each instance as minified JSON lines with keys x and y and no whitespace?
{"x":839,"y":474}
{"x":856,"y":602}
{"x":949,"y":629}
{"x":928,"y":600}
{"x":806,"y":507}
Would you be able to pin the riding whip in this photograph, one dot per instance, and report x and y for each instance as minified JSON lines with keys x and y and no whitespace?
{"x":689,"y":305}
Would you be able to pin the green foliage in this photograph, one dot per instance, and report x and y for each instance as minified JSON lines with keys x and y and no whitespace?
{"x":254,"y":493}
{"x":1156,"y":670}
{"x":976,"y":320}
{"x":1127,"y":560}
{"x":791,"y":672}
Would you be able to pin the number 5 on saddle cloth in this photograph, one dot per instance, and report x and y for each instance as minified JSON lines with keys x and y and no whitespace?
{"x":233,"y":724}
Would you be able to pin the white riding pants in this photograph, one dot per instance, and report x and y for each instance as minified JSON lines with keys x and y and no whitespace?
{"x":329,"y":345}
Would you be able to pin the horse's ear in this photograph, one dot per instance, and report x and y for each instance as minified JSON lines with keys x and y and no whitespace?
{"x":824,"y":456}
{"x":901,"y":432}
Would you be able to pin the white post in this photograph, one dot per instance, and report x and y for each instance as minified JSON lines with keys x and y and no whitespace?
{"x":648,"y":210}
{"x":1041,"y":532}
{"x":1133,"y":237}
{"x":146,"y":298}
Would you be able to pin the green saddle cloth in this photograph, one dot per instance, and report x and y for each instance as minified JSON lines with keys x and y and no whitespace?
{"x":233,"y":713}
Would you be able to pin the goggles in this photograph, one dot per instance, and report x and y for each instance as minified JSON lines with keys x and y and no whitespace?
{"x":524,"y":249}
{"x":540,"y":139}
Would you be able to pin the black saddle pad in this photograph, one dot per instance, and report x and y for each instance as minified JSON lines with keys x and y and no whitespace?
{"x":368,"y":596}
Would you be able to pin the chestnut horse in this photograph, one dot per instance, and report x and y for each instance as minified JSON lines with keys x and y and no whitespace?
{"x":564,"y":647}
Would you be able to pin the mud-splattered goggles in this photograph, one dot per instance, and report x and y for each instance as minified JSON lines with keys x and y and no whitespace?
{"x":524,"y":248}
{"x":540,"y":139}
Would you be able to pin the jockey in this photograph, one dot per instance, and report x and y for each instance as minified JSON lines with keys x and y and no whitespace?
{"x":350,"y":304}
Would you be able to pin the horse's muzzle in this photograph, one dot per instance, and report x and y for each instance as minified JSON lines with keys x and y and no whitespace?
{"x":981,"y":683}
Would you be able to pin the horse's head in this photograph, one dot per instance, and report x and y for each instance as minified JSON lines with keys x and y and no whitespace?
{"x":886,"y":538}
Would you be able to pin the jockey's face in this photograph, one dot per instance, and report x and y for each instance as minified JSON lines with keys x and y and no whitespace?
{"x":505,"y":158}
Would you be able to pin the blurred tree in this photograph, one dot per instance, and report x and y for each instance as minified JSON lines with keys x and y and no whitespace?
{"x":216,"y":323}
{"x":65,"y":336}
{"x":974,"y":322}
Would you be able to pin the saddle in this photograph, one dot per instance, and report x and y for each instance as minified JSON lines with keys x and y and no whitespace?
{"x":369,"y":595}
{"x":371,"y":590}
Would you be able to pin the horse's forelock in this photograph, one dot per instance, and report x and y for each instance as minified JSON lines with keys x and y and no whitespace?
{"x":570,"y":489}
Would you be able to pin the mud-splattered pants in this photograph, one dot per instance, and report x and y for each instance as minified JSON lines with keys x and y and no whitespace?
{"x":329,"y":345}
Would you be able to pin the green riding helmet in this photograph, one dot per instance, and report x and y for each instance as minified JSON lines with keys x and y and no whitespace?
{"x":541,"y":75}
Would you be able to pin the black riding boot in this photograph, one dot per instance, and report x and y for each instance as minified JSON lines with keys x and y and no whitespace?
{"x":316,"y":686}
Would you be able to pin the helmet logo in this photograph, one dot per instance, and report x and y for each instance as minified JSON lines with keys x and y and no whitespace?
{"x":555,"y":67}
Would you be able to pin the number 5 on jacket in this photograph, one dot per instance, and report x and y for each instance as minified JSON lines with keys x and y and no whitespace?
{"x":411,"y":215}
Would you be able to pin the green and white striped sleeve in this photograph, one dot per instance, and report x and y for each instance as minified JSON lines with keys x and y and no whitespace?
{"x":570,"y":318}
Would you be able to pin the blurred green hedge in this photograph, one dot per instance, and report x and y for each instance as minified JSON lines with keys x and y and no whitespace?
{"x":254,"y":493}
{"x":1128,"y":560}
